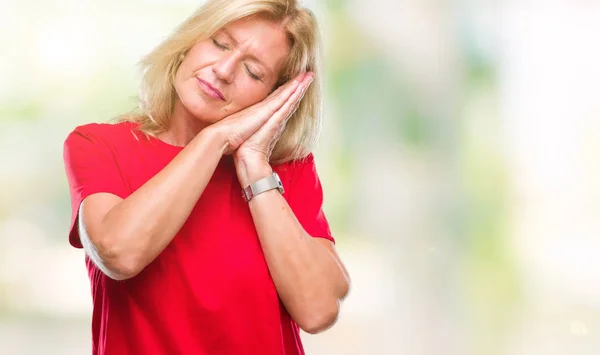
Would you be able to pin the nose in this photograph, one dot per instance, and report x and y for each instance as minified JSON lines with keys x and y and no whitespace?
{"x":224,"y":68}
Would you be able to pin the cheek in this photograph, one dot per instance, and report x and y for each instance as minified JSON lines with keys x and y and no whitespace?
{"x":182,"y":75}
{"x":183,"y":86}
{"x":184,"y":81}
{"x":196,"y":58}
{"x":250,"y":93}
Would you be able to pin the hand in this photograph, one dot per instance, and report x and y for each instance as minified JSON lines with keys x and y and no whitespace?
{"x":252,"y":156}
{"x":238,"y":127}
{"x":259,"y":146}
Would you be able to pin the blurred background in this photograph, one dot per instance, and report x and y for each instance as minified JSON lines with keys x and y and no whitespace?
{"x":460,"y":162}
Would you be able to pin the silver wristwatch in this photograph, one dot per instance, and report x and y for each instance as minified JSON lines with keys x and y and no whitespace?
{"x":265,"y":184}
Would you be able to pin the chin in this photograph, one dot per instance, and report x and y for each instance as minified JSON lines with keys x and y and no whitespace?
{"x":199,"y":109}
{"x":206,"y":116}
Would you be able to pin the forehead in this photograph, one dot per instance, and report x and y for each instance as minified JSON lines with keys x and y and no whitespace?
{"x":265,"y":40}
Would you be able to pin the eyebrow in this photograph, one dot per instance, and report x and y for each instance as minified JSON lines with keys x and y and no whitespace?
{"x":251,"y":56}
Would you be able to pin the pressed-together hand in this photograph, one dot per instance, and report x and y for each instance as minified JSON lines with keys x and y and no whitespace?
{"x":253,"y":155}
{"x":238,"y":127}
{"x":252,"y":133}
{"x":258,"y":146}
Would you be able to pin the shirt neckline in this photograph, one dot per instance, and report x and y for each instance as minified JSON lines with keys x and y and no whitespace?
{"x":225,"y":167}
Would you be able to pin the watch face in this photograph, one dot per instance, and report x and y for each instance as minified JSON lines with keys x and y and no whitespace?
{"x":262,"y":185}
{"x":279,"y":183}
{"x":245,"y":195}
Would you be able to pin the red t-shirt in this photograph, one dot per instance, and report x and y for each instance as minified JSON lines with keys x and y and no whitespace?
{"x":209,"y":291}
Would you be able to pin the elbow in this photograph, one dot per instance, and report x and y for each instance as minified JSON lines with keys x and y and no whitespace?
{"x":322,"y":317}
{"x":121,"y":270}
{"x":117,"y":262}
{"x":320,"y":321}
{"x":345,"y":288}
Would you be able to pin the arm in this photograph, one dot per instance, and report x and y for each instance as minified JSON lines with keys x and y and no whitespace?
{"x":307,"y":272}
{"x":122,"y":236}
{"x":309,"y":276}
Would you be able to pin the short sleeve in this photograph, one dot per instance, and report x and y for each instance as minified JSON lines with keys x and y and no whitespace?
{"x":305,"y":197}
{"x":90,"y":167}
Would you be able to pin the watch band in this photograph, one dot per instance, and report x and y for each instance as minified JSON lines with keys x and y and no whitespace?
{"x":265,"y":184}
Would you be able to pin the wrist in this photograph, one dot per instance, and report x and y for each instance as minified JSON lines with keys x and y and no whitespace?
{"x":252,"y":171}
{"x":216,"y":137}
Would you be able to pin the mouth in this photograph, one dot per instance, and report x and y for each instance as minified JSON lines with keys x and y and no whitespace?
{"x":210,"y":90}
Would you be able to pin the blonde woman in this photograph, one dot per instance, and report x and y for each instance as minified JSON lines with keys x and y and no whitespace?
{"x":201,"y":217}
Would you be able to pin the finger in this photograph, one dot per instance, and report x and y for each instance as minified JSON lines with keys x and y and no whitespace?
{"x":289,"y":82}
{"x":280,"y":131}
{"x":279,"y":91}
{"x":296,"y":103}
{"x":287,"y":93}
{"x":285,"y":110}
{"x":299,"y":100}
{"x":272,"y":126}
{"x":278,"y":134}
{"x":279,"y":97}
{"x":307,"y":80}
{"x":263,"y":111}
{"x":274,"y":103}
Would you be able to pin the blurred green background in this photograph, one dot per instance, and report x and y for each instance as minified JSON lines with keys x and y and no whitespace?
{"x":459,"y":158}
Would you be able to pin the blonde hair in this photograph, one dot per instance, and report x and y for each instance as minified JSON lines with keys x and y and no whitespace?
{"x":157,"y":94}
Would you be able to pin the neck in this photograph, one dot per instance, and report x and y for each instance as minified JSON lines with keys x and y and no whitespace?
{"x":183,"y":127}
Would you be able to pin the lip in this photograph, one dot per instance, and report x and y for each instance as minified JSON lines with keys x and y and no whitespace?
{"x":210,"y":90}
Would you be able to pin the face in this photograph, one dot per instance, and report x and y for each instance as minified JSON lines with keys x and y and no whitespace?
{"x":235,"y":68}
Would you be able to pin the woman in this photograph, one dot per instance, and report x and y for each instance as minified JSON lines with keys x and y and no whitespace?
{"x":201,"y":217}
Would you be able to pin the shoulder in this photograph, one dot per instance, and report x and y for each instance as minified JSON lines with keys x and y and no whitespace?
{"x":296,"y":171}
{"x":106,"y":131}
{"x":302,"y":164}
{"x":101,"y":134}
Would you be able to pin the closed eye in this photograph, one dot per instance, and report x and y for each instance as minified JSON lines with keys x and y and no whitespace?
{"x":218,"y":44}
{"x":223,"y":46}
{"x":252,"y":75}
